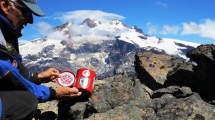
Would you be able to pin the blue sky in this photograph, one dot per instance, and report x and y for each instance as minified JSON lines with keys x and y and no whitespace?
{"x":189,"y":20}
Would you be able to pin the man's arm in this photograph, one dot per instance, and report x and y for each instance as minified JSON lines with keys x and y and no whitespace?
{"x":14,"y":80}
{"x":29,"y":75}
{"x":10,"y":78}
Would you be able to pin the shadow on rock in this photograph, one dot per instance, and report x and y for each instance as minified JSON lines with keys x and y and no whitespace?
{"x":48,"y":115}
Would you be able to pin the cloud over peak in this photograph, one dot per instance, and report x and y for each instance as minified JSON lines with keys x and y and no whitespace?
{"x":80,"y":15}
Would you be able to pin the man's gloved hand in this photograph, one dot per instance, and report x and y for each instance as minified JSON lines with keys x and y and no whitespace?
{"x":49,"y":75}
{"x":66,"y":93}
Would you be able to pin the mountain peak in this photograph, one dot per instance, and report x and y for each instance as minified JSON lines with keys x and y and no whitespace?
{"x":90,"y":23}
{"x":63,"y":26}
{"x":116,"y":22}
{"x":137,"y":29}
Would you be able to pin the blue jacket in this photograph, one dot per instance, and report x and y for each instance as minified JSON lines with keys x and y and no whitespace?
{"x":15,"y":81}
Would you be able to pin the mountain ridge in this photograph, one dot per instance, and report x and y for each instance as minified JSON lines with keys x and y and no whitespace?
{"x":103,"y":46}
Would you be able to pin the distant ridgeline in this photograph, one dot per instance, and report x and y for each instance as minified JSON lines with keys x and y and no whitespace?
{"x":109,"y":51}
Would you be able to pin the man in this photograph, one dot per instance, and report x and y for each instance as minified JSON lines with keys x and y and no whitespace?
{"x":20,"y":89}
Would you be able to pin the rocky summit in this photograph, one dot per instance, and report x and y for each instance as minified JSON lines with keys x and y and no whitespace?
{"x":163,"y":88}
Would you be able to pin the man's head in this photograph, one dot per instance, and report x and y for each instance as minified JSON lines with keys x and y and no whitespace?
{"x":19,"y":12}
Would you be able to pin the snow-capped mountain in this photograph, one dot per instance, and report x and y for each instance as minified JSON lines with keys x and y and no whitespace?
{"x":106,"y":47}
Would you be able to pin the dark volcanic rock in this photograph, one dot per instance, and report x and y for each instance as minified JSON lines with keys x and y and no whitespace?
{"x":175,"y":103}
{"x":153,"y":69}
{"x":204,"y":78}
{"x":113,"y":92}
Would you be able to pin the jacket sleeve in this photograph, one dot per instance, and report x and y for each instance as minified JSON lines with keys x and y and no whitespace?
{"x":10,"y":73}
{"x":29,"y":75}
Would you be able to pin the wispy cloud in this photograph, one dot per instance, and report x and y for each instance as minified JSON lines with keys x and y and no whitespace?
{"x":204,"y":29}
{"x":80,"y":15}
{"x":44,"y":28}
{"x":83,"y":32}
{"x":57,"y":35}
{"x":167,"y":29}
{"x":190,"y":28}
{"x":162,"y":4}
{"x":23,"y":41}
{"x":80,"y":32}
{"x":152,"y":29}
{"x":164,"y":30}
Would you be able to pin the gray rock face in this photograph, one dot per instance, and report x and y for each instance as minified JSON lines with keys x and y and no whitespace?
{"x":154,"y":68}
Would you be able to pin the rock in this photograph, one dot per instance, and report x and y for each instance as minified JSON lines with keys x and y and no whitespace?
{"x":203,"y":77}
{"x":176,"y":109}
{"x":114,"y":92}
{"x":124,"y":112}
{"x":175,"y":91}
{"x":152,"y":69}
{"x":202,"y":53}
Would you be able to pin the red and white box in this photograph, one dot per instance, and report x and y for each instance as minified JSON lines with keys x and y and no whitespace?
{"x":67,"y":78}
{"x":85,"y":79}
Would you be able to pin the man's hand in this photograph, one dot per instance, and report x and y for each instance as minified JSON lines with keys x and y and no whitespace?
{"x":66,"y":93}
{"x":49,"y":75}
